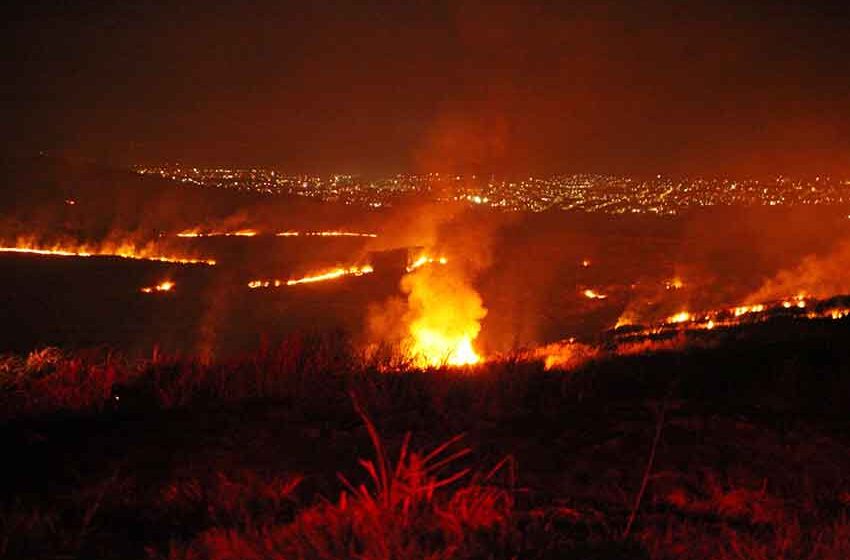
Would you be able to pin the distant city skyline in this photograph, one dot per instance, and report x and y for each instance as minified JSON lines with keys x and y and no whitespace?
{"x":586,"y":192}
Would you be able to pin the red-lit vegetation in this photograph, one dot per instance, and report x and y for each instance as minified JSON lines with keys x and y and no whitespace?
{"x":273,"y":455}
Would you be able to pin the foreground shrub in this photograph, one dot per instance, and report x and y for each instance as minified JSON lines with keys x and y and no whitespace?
{"x":416,"y":508}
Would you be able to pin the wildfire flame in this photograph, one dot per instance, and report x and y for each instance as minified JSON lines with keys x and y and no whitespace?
{"x":165,"y":286}
{"x":566,"y":354}
{"x":444,"y":318}
{"x":124,"y":250}
{"x":627,"y":319}
{"x":734,"y":316}
{"x":320,"y":277}
{"x":744,"y":309}
{"x":423,"y":260}
{"x":674,"y":284}
{"x":593,"y":294}
{"x":325,"y":234}
{"x":681,"y":317}
{"x":198,"y":233}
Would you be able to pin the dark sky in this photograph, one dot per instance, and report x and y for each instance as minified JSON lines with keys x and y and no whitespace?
{"x":711,"y":87}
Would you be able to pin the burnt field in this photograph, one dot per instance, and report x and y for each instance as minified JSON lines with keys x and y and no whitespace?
{"x":733,"y":450}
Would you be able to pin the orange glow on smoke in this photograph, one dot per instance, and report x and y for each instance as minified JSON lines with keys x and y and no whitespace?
{"x":165,"y":286}
{"x":332,"y":274}
{"x":443,"y":319}
{"x":124,"y":250}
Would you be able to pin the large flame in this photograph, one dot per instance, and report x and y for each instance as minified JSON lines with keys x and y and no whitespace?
{"x":332,"y":274}
{"x":124,"y":250}
{"x":444,"y":317}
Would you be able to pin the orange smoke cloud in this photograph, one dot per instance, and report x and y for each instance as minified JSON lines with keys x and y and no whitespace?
{"x":460,"y":142}
{"x":818,"y":276}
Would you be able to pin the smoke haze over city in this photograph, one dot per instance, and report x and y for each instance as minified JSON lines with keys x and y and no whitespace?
{"x":747,"y":89}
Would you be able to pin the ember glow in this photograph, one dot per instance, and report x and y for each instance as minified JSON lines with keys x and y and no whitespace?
{"x":444,"y":318}
{"x":165,"y":286}
{"x":125,"y":250}
{"x":332,"y":274}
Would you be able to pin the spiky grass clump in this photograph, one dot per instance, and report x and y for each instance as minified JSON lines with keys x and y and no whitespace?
{"x":417,"y":508}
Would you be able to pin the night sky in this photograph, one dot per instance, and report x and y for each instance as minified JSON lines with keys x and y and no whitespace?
{"x":708,"y":88}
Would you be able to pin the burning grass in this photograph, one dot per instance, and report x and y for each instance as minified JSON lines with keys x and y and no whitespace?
{"x":124,"y":249}
{"x":423,"y":260}
{"x":194,"y":233}
{"x":201,"y":233}
{"x":437,"y":322}
{"x":332,"y":233}
{"x":443,"y":317}
{"x":332,"y":274}
{"x":798,"y":307}
{"x":162,"y":287}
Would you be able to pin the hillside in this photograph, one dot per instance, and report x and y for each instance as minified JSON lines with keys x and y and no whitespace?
{"x":745,"y":439}
{"x":49,"y":195}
